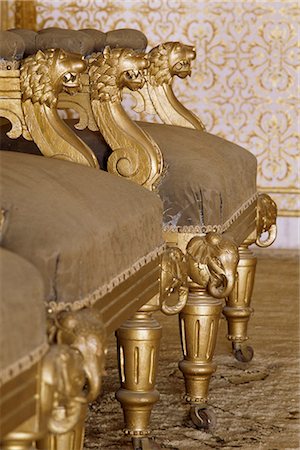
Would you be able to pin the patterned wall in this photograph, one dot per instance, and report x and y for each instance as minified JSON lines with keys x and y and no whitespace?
{"x":244,"y":82}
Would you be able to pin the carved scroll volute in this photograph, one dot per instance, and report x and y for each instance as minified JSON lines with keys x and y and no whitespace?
{"x":42,"y":77}
{"x":135,"y":155}
{"x":173,"y":281}
{"x":266,"y":215}
{"x":212,"y":263}
{"x":84,"y":331}
{"x":167,"y":61}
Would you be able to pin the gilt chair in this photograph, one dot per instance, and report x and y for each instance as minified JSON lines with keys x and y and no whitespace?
{"x":212,"y":210}
{"x":95,"y":239}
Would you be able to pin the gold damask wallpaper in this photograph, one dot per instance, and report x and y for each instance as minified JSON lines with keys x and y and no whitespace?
{"x":244,"y":81}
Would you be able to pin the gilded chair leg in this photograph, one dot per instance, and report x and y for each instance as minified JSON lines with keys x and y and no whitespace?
{"x":24,"y":437}
{"x":138,"y":342}
{"x":199,"y":322}
{"x":73,"y":440}
{"x":237,"y":310}
{"x":17,"y":441}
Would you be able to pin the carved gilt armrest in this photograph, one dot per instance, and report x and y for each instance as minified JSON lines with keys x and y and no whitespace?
{"x":135,"y":155}
{"x":29,"y":90}
{"x":166,"y":61}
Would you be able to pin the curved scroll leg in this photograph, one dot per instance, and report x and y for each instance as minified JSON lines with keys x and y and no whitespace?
{"x":237,"y":310}
{"x":199,"y":322}
{"x":138,"y":342}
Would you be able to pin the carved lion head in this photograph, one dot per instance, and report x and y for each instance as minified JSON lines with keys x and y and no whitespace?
{"x":47,"y":73}
{"x":170,"y":59}
{"x":115,"y":69}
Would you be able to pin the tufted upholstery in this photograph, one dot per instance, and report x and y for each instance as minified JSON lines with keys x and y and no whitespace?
{"x":84,"y":42}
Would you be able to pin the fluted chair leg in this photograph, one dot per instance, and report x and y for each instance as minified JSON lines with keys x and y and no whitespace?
{"x":18,"y":441}
{"x":199,"y":322}
{"x":238,"y":305}
{"x":138,"y":342}
{"x":73,"y":440}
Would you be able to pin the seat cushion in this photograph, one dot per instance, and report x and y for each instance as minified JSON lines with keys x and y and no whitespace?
{"x":23,"y":339}
{"x":209,"y":182}
{"x":84,"y":229}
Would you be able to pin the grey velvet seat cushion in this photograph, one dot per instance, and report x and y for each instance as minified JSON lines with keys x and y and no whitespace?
{"x":208,"y":181}
{"x":23,"y":338}
{"x":84,"y":229}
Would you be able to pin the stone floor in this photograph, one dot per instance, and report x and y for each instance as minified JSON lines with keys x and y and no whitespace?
{"x":256,"y":404}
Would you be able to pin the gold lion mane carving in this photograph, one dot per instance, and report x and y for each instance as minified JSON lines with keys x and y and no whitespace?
{"x":168,"y":60}
{"x":135,"y":155}
{"x":266,"y":220}
{"x":115,"y":69}
{"x":45,"y":74}
{"x":42,"y":77}
{"x":212,"y":263}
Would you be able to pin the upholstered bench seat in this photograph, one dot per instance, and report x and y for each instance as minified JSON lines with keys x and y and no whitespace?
{"x":85,"y":230}
{"x":21,"y":305}
{"x":208,"y":182}
{"x":23,"y":338}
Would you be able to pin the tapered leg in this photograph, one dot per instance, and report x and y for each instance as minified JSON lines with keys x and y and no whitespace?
{"x":138,"y":342}
{"x":199,"y":322}
{"x":73,"y":440}
{"x":238,"y":310}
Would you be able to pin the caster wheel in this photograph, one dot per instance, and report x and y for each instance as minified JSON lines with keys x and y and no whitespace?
{"x":242,"y":353}
{"x":203,"y":418}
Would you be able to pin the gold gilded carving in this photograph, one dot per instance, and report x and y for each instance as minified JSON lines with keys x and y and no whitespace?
{"x":212,"y":263}
{"x":43,"y":76}
{"x":84,"y":331}
{"x":238,"y":304}
{"x":173,"y":280}
{"x":199,"y":322}
{"x":138,"y":342}
{"x":10,"y":101}
{"x":81,"y":103}
{"x":81,"y":338}
{"x":266,"y":220}
{"x":135,"y":155}
{"x":167,"y":61}
{"x":62,"y":382}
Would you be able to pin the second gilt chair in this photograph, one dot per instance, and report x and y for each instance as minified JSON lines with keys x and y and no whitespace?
{"x":212,"y":210}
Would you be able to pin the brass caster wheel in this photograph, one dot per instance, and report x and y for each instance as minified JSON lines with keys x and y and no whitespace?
{"x":242,"y":353}
{"x":143,"y":443}
{"x":203,"y":418}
